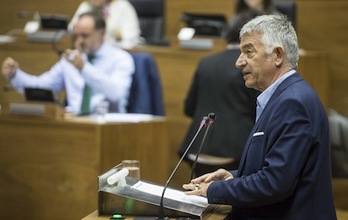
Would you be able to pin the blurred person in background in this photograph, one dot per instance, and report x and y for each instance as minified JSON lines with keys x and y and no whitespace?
{"x":122,"y":23}
{"x":218,"y":87}
{"x":262,"y":6}
{"x":92,"y":73}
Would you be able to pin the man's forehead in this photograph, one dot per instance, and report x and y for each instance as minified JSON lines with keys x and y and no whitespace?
{"x":85,"y":22}
{"x":250,"y":40}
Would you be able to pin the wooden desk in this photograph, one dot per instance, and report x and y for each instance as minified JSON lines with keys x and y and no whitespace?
{"x":49,"y":168}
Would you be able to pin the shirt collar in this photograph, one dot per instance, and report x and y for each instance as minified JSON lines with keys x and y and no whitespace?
{"x":264,"y":97}
{"x":99,"y":52}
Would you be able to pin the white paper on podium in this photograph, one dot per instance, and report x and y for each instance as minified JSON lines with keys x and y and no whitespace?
{"x":173,"y":194}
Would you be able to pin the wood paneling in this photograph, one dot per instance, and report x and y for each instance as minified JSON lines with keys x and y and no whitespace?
{"x":11,"y":9}
{"x":49,"y":168}
{"x":218,"y":213}
{"x":175,"y":8}
{"x":323,"y":25}
{"x":340,"y":186}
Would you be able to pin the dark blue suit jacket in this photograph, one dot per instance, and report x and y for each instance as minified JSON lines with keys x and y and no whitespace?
{"x":146,"y":89}
{"x":285,"y":170}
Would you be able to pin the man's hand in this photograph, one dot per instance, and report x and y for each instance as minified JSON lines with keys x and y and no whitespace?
{"x":198,"y":189}
{"x":199,"y":185}
{"x":9,"y":68}
{"x":74,"y":57}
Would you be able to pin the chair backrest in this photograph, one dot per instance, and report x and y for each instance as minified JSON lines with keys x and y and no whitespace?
{"x":151,"y":19}
{"x":287,"y":8}
{"x":338,"y":125}
{"x":146,"y":89}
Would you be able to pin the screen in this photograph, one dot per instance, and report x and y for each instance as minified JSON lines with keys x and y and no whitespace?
{"x":54,"y":22}
{"x":205,"y":24}
{"x":39,"y":95}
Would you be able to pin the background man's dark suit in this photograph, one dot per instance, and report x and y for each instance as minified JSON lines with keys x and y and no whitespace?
{"x":218,"y":87}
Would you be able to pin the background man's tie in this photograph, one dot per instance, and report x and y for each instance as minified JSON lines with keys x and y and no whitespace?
{"x":87,"y":93}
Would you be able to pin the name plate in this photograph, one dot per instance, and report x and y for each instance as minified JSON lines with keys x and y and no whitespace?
{"x":198,"y":44}
{"x":43,"y":110}
{"x":26,"y":109}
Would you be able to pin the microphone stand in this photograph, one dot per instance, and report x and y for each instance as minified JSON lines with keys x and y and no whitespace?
{"x":161,"y":206}
{"x":211,"y":119}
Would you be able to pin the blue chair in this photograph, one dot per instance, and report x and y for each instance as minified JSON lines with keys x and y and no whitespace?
{"x":146,"y":89}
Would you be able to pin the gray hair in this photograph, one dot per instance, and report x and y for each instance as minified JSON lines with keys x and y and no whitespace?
{"x":276,"y":30}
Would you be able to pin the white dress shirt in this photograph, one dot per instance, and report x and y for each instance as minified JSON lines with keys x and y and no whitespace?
{"x":109,"y":77}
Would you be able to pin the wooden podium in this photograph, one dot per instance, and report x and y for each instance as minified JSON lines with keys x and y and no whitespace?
{"x":49,"y":167}
{"x":219,"y":213}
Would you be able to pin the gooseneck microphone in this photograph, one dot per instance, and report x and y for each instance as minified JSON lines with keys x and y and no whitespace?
{"x":211,"y":119}
{"x":161,"y":206}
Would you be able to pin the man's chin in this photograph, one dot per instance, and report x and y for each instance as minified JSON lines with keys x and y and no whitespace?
{"x":248,"y":84}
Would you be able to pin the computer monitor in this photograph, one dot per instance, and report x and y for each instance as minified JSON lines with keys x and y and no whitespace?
{"x":53,"y":22}
{"x":205,"y":24}
{"x":39,"y":95}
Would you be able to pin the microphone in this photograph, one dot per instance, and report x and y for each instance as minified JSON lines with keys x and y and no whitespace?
{"x":211,"y":120}
{"x":161,"y":206}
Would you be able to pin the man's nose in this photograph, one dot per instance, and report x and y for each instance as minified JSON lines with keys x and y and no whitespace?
{"x":240,"y":63}
{"x":78,"y":40}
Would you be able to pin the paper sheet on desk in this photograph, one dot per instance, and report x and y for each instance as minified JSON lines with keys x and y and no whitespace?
{"x":170,"y":194}
{"x":120,"y":117}
{"x":7,"y":39}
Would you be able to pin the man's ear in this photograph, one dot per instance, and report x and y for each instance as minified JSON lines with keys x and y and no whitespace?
{"x":280,"y":56}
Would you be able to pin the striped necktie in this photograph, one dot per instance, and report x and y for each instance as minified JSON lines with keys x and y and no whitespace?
{"x":87,"y":94}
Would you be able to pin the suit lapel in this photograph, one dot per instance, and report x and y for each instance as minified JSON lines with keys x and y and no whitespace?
{"x":285,"y":84}
{"x":246,"y":149}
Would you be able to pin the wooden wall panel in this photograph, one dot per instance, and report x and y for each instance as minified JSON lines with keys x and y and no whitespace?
{"x":174,"y":9}
{"x":323,"y":25}
{"x":10,"y":9}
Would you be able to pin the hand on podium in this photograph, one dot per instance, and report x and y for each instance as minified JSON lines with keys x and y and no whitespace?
{"x":199,"y":185}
